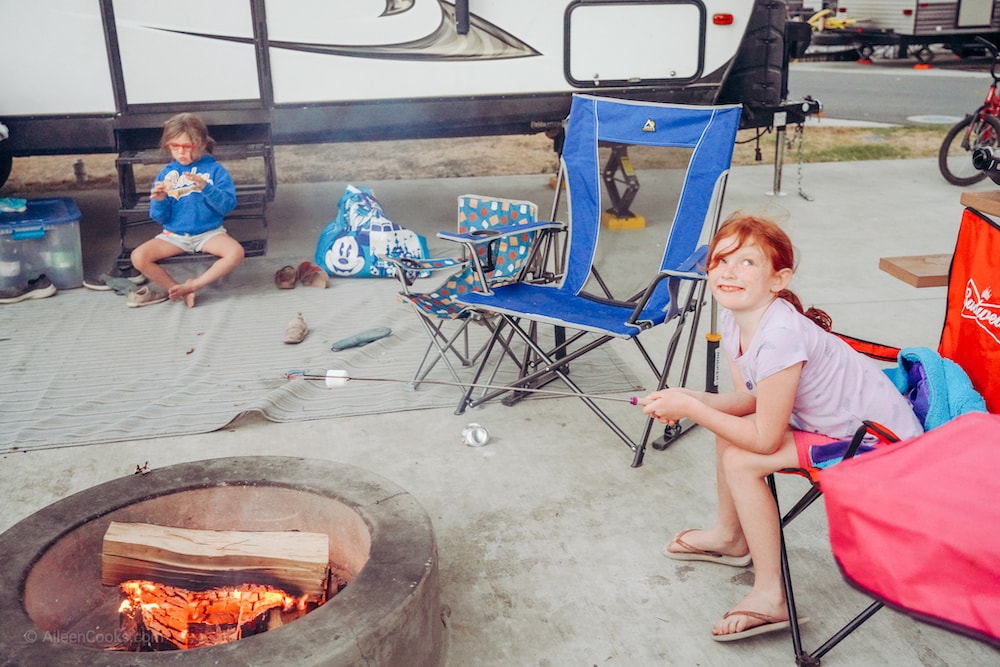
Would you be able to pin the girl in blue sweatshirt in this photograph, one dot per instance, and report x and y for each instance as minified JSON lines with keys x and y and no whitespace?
{"x":190,"y":197}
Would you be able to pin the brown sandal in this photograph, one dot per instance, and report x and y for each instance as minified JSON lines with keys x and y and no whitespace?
{"x":693,"y":553}
{"x":311,"y":275}
{"x":767,"y":624}
{"x":285,"y":277}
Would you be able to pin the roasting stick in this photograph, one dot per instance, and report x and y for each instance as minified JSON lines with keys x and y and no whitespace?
{"x":338,"y":378}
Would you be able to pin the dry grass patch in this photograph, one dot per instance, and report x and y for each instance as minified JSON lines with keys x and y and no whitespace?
{"x":487,"y":156}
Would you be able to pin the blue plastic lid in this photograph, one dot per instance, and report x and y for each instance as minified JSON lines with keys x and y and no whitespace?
{"x":40,"y":213}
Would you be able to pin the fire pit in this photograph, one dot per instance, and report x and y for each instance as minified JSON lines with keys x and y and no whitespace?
{"x":56,"y":612}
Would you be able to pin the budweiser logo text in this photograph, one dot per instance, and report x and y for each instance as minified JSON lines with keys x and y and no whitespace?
{"x":977,"y":307}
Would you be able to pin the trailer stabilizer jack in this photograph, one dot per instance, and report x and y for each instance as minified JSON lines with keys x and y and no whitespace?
{"x":619,"y":216}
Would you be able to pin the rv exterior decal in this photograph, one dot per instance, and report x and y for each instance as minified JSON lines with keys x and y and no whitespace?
{"x":355,"y":70}
{"x":484,"y":40}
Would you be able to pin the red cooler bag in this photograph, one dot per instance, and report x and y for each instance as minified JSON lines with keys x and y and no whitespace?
{"x":971,"y":334}
{"x":916,"y":524}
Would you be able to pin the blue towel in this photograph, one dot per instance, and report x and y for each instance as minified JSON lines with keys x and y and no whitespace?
{"x":937,"y":387}
{"x":13,"y":205}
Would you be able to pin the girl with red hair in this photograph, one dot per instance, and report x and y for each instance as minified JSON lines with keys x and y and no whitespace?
{"x":795,"y":385}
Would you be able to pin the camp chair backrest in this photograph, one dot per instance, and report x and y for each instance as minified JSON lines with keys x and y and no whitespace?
{"x":971,"y":334}
{"x":708,"y":131}
{"x":509,"y":254}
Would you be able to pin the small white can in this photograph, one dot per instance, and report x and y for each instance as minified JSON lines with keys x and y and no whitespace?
{"x":475,"y":435}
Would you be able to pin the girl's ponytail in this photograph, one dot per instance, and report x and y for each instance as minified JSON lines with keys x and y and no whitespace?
{"x":819,"y":317}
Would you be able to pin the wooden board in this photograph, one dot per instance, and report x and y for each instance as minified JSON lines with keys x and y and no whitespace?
{"x":987,"y":202}
{"x":918,"y":270}
{"x":200,"y":559}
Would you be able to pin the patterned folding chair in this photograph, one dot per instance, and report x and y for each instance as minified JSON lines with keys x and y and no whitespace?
{"x":501,"y":258}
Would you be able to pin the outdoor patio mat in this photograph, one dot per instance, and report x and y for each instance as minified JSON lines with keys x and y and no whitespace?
{"x":82,"y":368}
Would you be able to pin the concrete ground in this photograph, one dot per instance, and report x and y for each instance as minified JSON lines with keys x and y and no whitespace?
{"x":549,"y":542}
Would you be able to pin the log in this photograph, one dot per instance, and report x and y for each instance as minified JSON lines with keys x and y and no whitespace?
{"x":297,"y":562}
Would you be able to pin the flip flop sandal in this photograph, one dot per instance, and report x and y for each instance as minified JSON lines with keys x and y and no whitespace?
{"x":693,"y":553}
{"x":285,"y":277}
{"x":767,"y":625}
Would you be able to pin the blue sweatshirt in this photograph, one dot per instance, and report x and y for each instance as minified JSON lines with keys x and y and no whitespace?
{"x":187,"y":211}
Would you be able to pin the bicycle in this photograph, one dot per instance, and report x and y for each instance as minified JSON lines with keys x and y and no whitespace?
{"x":981,"y":129}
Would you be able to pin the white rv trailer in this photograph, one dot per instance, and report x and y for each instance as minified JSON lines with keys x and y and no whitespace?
{"x":92,"y":76}
{"x":954,"y":23}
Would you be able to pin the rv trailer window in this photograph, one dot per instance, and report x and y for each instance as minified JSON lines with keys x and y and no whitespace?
{"x":640,"y":43}
{"x":974,"y":13}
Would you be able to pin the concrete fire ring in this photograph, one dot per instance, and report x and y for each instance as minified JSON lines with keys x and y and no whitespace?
{"x":389,"y":613}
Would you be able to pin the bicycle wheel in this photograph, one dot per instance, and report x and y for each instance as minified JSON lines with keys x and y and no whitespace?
{"x":955,"y":155}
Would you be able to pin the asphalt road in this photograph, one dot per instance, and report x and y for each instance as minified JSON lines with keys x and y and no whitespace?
{"x":893,"y":91}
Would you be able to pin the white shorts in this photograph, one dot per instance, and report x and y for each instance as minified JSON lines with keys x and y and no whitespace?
{"x":190,"y":242}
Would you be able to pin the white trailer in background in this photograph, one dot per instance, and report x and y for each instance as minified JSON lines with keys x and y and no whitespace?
{"x":954,"y":23}
{"x":101,"y":76}
{"x":85,"y":76}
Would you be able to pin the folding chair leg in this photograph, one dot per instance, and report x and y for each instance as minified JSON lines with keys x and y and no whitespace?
{"x":802,"y":658}
{"x":496,"y":338}
{"x":427,"y":365}
{"x":670,"y":433}
{"x":850,"y":627}
{"x":458,"y":344}
{"x":523,"y":360}
{"x":549,"y":367}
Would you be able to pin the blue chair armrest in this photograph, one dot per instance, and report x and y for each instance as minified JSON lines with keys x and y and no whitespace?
{"x":693,"y":266}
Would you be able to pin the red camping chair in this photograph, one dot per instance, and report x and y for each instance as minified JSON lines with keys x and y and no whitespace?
{"x":930,"y":478}
{"x":945,"y":567}
{"x":953,"y":392}
{"x":849,"y":449}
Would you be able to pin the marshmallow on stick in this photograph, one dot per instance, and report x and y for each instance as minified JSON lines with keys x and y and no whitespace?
{"x":337,"y":378}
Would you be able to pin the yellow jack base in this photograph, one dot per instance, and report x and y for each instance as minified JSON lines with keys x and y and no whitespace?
{"x":612,"y":221}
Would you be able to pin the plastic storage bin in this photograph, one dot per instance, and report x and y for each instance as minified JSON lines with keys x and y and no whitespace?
{"x":45,"y":238}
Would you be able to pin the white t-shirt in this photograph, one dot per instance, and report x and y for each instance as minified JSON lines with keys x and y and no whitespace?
{"x":839,"y":387}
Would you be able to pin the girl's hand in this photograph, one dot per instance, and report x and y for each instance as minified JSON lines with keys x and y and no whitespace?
{"x":158,"y":191}
{"x":198,"y":180}
{"x":667,"y":406}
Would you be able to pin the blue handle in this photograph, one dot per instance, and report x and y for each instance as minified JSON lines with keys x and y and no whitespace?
{"x":28,"y":234}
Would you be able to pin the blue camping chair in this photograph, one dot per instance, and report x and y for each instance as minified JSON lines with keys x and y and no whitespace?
{"x":500,"y":259}
{"x":674,"y":287}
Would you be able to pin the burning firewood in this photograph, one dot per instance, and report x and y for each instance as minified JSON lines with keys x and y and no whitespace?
{"x":188,"y":588}
{"x":155,"y":615}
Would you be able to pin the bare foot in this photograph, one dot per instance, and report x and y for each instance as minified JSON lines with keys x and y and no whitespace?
{"x":765,"y":609}
{"x":184,"y":290}
{"x":706,"y":542}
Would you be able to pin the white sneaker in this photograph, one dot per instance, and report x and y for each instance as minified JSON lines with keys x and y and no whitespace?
{"x":144,"y":296}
